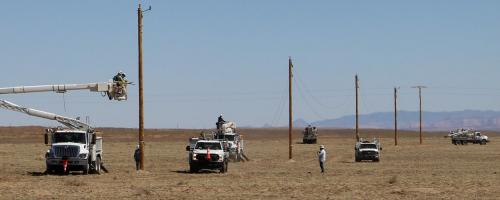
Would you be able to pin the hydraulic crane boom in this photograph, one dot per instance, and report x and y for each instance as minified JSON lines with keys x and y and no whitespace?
{"x":114,"y":90}
{"x":69,"y":122}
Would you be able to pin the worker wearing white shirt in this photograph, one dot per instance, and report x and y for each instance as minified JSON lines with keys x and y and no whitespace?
{"x":322,"y":158}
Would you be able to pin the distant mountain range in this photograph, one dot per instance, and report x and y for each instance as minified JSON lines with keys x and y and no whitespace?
{"x":409,"y":120}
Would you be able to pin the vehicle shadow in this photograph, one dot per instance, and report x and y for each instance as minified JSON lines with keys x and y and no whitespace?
{"x":52,"y":174}
{"x":37,"y":173}
{"x":199,"y":172}
{"x":181,"y":171}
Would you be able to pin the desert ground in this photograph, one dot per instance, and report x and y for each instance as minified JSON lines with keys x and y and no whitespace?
{"x":435,"y":170}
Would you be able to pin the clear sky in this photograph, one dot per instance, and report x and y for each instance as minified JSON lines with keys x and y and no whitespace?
{"x":203,"y":58}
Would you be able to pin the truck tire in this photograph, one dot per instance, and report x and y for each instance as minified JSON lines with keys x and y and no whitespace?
{"x":97,"y":166}
{"x":454,"y":142}
{"x":193,"y":169}
{"x":49,"y":170}
{"x":483,"y":142}
{"x":376,"y":160}
{"x":357,"y":159}
{"x":85,"y":169}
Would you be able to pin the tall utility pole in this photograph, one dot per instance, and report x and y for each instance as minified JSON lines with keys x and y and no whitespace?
{"x":395,"y":116}
{"x":290,"y":122}
{"x":420,"y":108}
{"x":141,"y":85}
{"x":356,"y":80}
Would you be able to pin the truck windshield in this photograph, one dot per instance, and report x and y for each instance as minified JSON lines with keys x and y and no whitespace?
{"x":206,"y":145}
{"x":229,"y":137}
{"x":368,"y":146}
{"x":69,"y":137}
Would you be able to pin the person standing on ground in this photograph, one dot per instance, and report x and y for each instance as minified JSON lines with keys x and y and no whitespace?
{"x":137,"y":157}
{"x":322,"y":158}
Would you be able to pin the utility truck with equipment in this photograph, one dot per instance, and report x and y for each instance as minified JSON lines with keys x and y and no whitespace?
{"x":464,"y":136}
{"x":76,"y":147}
{"x":226,"y":132}
{"x":367,"y":150}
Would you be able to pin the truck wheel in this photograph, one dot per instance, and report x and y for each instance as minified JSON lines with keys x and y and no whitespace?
{"x":357,"y":159}
{"x":376,"y":160}
{"x":483,"y":142}
{"x":193,"y":169}
{"x":454,"y":142}
{"x":97,"y":169}
{"x":85,"y":169}
{"x":49,"y":170}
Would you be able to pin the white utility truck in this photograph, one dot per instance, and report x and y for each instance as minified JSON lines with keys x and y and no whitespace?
{"x":367,"y":150}
{"x":464,"y":136}
{"x":75,"y":148}
{"x":232,"y":140}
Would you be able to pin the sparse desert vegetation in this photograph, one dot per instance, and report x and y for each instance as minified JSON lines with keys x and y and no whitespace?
{"x":435,"y":170}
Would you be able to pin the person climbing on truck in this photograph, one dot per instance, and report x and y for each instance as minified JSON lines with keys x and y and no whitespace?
{"x":220,"y":121}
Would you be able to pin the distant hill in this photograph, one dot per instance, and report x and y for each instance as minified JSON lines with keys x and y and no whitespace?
{"x":482,"y":120}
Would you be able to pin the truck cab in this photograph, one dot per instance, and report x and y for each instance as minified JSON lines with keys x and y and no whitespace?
{"x":73,"y":150}
{"x":208,"y":154}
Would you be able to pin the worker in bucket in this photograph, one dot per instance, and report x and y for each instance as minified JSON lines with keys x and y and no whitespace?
{"x":120,"y":78}
{"x":137,"y":157}
{"x":322,"y":158}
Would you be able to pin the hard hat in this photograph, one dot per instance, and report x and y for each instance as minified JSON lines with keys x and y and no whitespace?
{"x":321,"y":146}
{"x":221,"y":114}
{"x":137,"y":147}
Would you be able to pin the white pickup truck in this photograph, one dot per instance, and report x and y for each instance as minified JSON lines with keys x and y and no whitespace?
{"x":208,"y":154}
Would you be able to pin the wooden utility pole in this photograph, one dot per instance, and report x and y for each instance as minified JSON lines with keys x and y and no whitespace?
{"x":395,"y":116}
{"x":290,"y":118}
{"x":420,"y":109}
{"x":356,"y":80}
{"x":141,"y":85}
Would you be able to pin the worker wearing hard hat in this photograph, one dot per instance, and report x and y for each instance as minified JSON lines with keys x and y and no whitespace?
{"x":322,"y":158}
{"x":119,"y":79}
{"x":137,"y":157}
{"x":220,"y":121}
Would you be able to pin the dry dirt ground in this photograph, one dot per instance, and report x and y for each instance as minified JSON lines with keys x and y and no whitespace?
{"x":435,"y":170}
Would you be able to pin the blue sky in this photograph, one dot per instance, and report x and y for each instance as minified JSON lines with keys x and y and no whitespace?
{"x":203,"y":58}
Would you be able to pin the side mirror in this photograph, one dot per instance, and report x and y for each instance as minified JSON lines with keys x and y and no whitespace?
{"x":188,"y":148}
{"x":94,"y":138}
{"x":380,"y":148}
{"x":46,"y":137}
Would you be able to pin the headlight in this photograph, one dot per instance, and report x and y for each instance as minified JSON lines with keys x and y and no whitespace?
{"x":83,"y":156}
{"x":194,"y":156}
{"x":49,"y":154}
{"x":220,"y":157}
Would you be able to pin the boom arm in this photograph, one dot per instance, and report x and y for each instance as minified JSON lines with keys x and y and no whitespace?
{"x":69,"y":122}
{"x":114,"y":90}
